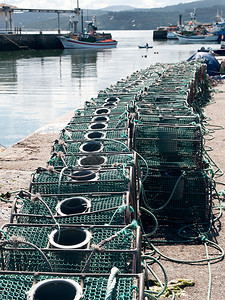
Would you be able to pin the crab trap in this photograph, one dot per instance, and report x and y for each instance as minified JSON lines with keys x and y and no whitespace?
{"x":69,"y":135}
{"x":178,"y":195}
{"x":92,"y":146}
{"x":154,"y":98}
{"x":112,"y":121}
{"x":154,"y":119}
{"x":70,"y":248}
{"x":84,"y":180}
{"x":109,"y":102}
{"x":170,"y":143}
{"x":98,"y":125}
{"x":58,"y":286}
{"x":161,"y":110}
{"x":98,"y":111}
{"x":102,"y":118}
{"x":94,"y":209}
{"x":59,"y":160}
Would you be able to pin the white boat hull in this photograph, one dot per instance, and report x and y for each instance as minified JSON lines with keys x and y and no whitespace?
{"x":171,"y":35}
{"x":69,"y":43}
{"x":197,"y":38}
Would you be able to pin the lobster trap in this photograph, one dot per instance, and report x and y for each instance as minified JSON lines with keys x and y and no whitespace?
{"x":154,"y":119}
{"x":170,"y":145}
{"x":70,"y":249}
{"x":95,"y":209}
{"x":178,"y":195}
{"x":121,"y":134}
{"x":61,"y":286}
{"x":84,"y":180}
{"x":91,"y":160}
{"x":97,"y":145}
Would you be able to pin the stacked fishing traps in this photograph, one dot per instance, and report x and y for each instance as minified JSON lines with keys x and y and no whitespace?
{"x":76,"y":230}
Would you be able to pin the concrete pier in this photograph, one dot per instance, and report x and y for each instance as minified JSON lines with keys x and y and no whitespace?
{"x":11,"y":42}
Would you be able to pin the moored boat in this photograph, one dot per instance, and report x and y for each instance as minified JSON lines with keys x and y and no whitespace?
{"x":90,"y":39}
{"x":171,"y":35}
{"x":71,"y":43}
{"x":195,"y":38}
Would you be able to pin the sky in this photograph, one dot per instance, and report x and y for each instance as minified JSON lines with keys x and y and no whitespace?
{"x":92,"y":4}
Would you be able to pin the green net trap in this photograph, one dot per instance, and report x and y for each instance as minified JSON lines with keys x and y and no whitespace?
{"x":95,"y":209}
{"x":103,"y":159}
{"x":82,"y":180}
{"x":69,"y":135}
{"x":178,"y":195}
{"x":151,"y":119}
{"x":91,"y":146}
{"x":71,"y":249}
{"x":130,"y":287}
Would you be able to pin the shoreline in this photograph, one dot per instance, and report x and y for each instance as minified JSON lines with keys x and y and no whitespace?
{"x":21,"y":159}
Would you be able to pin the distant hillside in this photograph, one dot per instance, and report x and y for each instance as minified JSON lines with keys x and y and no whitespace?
{"x":127,"y":17}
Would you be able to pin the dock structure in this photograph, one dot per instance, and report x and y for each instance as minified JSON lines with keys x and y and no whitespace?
{"x":13,"y":38}
{"x":7,"y":13}
{"x":127,"y":167}
{"x":160,"y":34}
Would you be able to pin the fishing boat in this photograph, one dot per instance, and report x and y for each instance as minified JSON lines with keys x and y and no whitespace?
{"x":195,"y":38}
{"x":90,"y":39}
{"x":194,"y":32}
{"x":219,"y":26}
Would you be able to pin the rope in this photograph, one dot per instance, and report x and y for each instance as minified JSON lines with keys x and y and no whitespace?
{"x":120,"y":210}
{"x":37,"y":197}
{"x":146,"y":258}
{"x":15,"y":241}
{"x":99,"y":246}
{"x":111,"y":283}
{"x":169,"y":199}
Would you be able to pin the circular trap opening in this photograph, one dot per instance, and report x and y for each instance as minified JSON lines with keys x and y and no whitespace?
{"x":91,"y":147}
{"x":69,"y":238}
{"x":102,"y":111}
{"x":92,"y":160}
{"x":95,"y":135}
{"x":55,"y":289}
{"x":73,"y":205}
{"x":109,"y":104}
{"x":112,"y":99}
{"x":101,"y":119}
{"x":83,"y":175}
{"x":98,"y":126}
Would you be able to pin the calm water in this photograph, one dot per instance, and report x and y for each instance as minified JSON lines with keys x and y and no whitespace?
{"x":36,"y":87}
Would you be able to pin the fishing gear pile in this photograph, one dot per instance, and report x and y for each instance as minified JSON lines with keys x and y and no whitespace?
{"x":131,"y":159}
